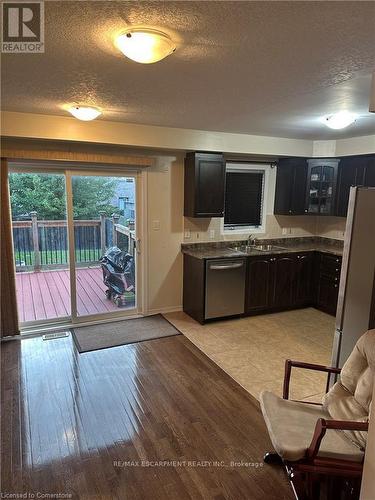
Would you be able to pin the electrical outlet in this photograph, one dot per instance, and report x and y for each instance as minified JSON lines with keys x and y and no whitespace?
{"x":285,"y":231}
{"x":187,"y":234}
{"x":212,"y":234}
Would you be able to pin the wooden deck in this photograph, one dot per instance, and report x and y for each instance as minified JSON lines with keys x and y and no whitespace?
{"x":46,"y":294}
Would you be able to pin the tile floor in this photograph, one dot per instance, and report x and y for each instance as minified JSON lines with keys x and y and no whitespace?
{"x":253,"y":350}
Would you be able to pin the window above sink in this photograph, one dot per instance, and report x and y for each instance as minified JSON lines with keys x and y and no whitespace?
{"x":245,"y":198}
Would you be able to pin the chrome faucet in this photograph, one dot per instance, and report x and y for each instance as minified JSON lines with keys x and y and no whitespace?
{"x":250,"y":240}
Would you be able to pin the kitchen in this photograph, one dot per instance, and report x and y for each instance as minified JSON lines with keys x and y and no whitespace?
{"x":246,"y":130}
{"x":296,"y":277}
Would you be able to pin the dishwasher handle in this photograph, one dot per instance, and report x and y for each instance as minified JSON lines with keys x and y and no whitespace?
{"x":220,"y":267}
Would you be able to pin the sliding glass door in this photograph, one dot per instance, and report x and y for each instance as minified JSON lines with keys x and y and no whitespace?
{"x":75,"y":244}
{"x":40,"y":240}
{"x":105,"y":260}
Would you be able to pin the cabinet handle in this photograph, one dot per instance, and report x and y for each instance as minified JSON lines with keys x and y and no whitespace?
{"x":337,"y":270}
{"x":337,"y":260}
{"x":290,"y":211}
{"x":306,"y":210}
{"x":336,"y":286}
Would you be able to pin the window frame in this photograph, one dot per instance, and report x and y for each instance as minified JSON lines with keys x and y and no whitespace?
{"x":263,"y":168}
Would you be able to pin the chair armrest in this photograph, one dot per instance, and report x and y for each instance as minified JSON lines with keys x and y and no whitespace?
{"x":308,"y":366}
{"x":322,"y":425}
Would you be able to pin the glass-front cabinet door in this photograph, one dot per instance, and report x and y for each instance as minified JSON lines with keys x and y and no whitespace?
{"x":321,"y":186}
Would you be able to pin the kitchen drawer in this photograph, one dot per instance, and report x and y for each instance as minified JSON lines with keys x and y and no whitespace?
{"x":327,"y":295}
{"x":330,"y":265}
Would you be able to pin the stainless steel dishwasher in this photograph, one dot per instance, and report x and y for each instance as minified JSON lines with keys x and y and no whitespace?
{"x":225,"y":287}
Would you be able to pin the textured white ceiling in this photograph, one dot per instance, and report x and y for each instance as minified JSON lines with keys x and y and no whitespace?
{"x":266,"y":68}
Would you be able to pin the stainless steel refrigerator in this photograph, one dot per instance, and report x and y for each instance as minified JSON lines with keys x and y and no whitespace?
{"x":355,"y":307}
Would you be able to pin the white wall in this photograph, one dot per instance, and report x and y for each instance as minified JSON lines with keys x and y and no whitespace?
{"x":165,"y":233}
{"x":356,"y":146}
{"x":35,"y":126}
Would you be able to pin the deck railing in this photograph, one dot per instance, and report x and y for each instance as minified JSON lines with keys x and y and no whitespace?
{"x":44,"y":243}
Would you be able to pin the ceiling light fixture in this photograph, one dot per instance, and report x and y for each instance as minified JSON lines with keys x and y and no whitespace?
{"x":84,"y":113}
{"x":340,"y":120}
{"x":145,"y":46}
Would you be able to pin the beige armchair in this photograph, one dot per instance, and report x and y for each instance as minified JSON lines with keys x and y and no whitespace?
{"x":327,"y":438}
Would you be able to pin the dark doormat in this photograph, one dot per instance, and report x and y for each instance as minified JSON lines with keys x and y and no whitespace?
{"x":130,"y":331}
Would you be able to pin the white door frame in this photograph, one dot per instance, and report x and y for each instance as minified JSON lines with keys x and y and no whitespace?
{"x":70,"y":170}
{"x":105,"y":172}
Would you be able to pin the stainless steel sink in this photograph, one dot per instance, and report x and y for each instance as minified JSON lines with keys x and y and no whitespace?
{"x":242,"y":248}
{"x":267,"y":248}
{"x":260,"y":248}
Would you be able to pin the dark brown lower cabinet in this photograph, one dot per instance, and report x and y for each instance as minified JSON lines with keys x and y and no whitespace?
{"x":270,"y":283}
{"x":304,"y":279}
{"x":259,"y":284}
{"x":194,"y":287}
{"x":283,"y":281}
{"x":274,"y":283}
{"x":327,"y":295}
{"x":289,"y":281}
{"x":328,"y":269}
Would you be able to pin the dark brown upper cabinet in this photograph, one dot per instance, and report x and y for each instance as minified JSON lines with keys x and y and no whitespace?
{"x":204,"y":188}
{"x":321,"y":186}
{"x":290,"y":186}
{"x":353,"y":171}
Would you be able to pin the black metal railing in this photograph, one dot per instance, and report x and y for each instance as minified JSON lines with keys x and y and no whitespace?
{"x":44,"y":243}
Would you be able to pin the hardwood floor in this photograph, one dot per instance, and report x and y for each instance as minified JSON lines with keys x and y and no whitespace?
{"x":70,"y":421}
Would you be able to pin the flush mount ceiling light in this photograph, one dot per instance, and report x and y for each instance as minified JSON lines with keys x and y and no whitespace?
{"x":84,"y":113}
{"x":145,"y":46}
{"x":340,"y":120}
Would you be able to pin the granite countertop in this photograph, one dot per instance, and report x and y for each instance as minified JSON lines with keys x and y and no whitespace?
{"x":221,"y":250}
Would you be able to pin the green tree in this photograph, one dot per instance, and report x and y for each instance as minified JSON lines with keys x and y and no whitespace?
{"x":45,"y":193}
{"x":91,"y":195}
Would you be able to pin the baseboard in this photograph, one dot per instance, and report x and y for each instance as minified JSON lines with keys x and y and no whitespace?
{"x":164,"y":310}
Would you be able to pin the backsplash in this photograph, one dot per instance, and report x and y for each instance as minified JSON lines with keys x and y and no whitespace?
{"x":331,"y":227}
{"x":277,"y":226}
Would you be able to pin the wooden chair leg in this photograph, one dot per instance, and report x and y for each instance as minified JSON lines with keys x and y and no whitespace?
{"x":313,"y":486}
